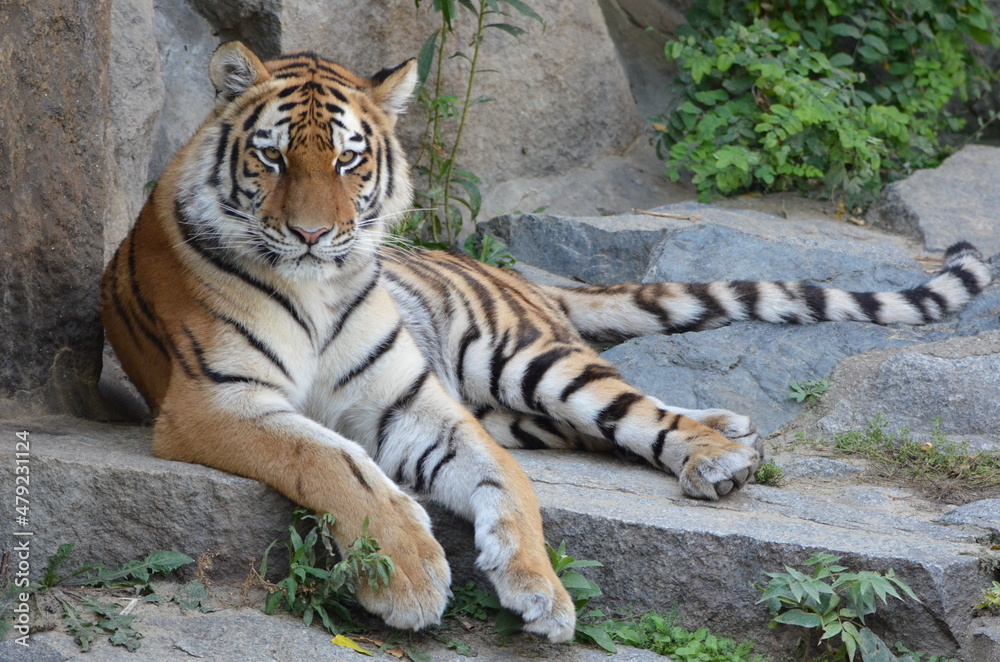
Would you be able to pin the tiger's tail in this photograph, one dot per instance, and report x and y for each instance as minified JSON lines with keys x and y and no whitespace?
{"x":619,"y":312}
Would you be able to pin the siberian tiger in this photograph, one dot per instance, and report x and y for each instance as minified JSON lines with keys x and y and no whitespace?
{"x":274,"y":336}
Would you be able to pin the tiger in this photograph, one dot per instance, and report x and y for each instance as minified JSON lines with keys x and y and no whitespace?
{"x":276,"y":335}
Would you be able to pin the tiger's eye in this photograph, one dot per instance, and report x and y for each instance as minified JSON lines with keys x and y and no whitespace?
{"x":346,"y":157}
{"x":272,"y":154}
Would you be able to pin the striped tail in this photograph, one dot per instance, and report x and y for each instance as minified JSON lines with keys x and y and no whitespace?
{"x":619,"y":312}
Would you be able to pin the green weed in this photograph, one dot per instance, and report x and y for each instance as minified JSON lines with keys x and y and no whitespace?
{"x":937,"y":466}
{"x":445,"y":192}
{"x":991,"y":600}
{"x":808,"y":392}
{"x":769,"y":473}
{"x":318,"y":584}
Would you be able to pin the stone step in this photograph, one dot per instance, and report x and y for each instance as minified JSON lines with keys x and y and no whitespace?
{"x":98,"y":486}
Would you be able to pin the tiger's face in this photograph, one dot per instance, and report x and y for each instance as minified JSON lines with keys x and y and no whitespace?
{"x":299,"y":169}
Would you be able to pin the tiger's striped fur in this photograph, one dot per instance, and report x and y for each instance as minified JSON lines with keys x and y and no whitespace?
{"x":274,"y":336}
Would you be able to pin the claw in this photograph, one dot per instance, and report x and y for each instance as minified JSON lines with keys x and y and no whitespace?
{"x":724,"y":487}
{"x":742,"y":476}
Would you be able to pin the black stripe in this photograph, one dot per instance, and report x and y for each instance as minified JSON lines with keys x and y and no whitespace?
{"x":372,"y":357}
{"x":252,"y":118}
{"x":815,"y":298}
{"x":868,"y":303}
{"x":220,"y":152}
{"x":366,"y":128}
{"x":402,"y":403}
{"x":224,"y":266}
{"x":489,"y":482}
{"x":614,"y":412}
{"x":134,"y":282}
{"x":349,"y":310}
{"x":214,"y":375}
{"x":289,"y":91}
{"x":176,"y":352}
{"x":356,"y":470}
{"x":390,"y":170}
{"x":448,"y":457}
{"x":713,"y":310}
{"x":661,"y":438}
{"x":485,"y":300}
{"x":536,"y":370}
{"x":338,"y":94}
{"x":418,"y":471}
{"x":334,"y":108}
{"x":591,"y":373}
{"x":234,"y":160}
{"x":255,"y":342}
{"x":918,"y":298}
{"x":749,"y":294}
{"x":472,"y":334}
{"x":497,"y":363}
{"x":968,"y":280}
{"x":528,"y":440}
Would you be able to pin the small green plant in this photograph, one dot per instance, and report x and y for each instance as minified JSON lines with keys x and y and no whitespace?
{"x":810,"y":391}
{"x":769,"y":473}
{"x":318,"y":584}
{"x":446,"y":192}
{"x":660,"y":634}
{"x":846,"y":94}
{"x":936,"y":465}
{"x":830,"y":606}
{"x":991,"y":600}
{"x":489,"y":250}
{"x":83,"y":594}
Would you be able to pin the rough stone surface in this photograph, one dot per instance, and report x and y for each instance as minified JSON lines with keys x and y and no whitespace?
{"x":819,"y":467}
{"x":983,"y":644}
{"x":119,"y":510}
{"x":185,"y":41}
{"x":242,"y":634}
{"x":55,"y":202}
{"x":96,"y":485}
{"x":957,"y":381}
{"x":984,"y":514}
{"x":136,"y":95}
{"x":953,"y":202}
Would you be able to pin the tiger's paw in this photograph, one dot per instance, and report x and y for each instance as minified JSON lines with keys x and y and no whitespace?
{"x":420,"y":587}
{"x":540,"y":599}
{"x":717,"y":467}
{"x":730,"y":425}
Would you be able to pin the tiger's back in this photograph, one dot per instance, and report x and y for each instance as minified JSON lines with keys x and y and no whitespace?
{"x":274,"y":336}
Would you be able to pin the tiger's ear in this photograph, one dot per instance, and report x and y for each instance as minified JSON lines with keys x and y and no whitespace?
{"x":233,"y":70}
{"x":392,"y":88}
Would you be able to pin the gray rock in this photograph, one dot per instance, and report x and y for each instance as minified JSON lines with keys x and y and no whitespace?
{"x":747,"y":367}
{"x":983,"y":642}
{"x":57,"y":187}
{"x":819,"y":467}
{"x":136,"y":96}
{"x":957,"y":381}
{"x":956,"y":201}
{"x":984,"y":514}
{"x":185,"y":41}
{"x":36,"y":651}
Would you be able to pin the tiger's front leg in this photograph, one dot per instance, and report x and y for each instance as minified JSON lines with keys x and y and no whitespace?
{"x":427,"y":440}
{"x":251,"y":430}
{"x":577,"y":390}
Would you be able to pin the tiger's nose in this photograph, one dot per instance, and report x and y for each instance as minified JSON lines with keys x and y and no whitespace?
{"x":309,"y":236}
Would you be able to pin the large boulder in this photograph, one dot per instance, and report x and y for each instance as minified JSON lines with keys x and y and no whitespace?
{"x":57,"y":184}
{"x":956,"y":201}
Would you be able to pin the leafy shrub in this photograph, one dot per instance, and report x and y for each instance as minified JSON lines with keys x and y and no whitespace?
{"x":830,"y":607}
{"x":846,"y":93}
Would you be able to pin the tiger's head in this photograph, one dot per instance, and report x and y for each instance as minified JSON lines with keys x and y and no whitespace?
{"x":298,"y":169}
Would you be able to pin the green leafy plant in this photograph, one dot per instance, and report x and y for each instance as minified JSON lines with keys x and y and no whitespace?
{"x":660,"y":634}
{"x":87,"y":614}
{"x":810,"y":391}
{"x":769,"y":473}
{"x":319,"y":583}
{"x":446,"y":192}
{"x":830,"y":606}
{"x":991,"y":600}
{"x":845,"y":94}
{"x":490,"y":250}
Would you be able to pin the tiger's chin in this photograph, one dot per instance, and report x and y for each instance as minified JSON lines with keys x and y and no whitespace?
{"x":312,"y":267}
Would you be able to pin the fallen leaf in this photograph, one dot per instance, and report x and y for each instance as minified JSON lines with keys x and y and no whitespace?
{"x":341,"y":640}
